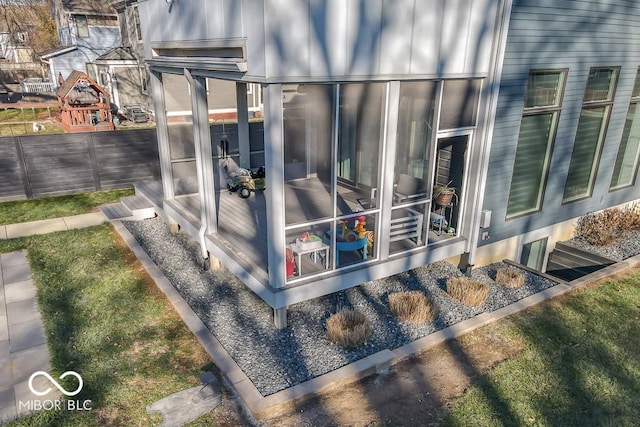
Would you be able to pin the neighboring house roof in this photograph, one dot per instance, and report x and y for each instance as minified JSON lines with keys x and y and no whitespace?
{"x":57,"y":51}
{"x":89,"y":6}
{"x":117,"y":54}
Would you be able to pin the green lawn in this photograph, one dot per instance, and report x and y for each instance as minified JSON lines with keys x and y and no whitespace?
{"x":106,"y":321}
{"x":53,"y":207}
{"x":580,"y":366}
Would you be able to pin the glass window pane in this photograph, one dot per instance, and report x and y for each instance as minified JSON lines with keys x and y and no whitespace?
{"x":544,"y":89}
{"x":360,"y":131}
{"x":308,"y":124}
{"x":355,"y":240}
{"x":586,"y":151}
{"x":82,"y":27}
{"x":306,"y":254}
{"x":408,"y":227}
{"x":459,"y":103}
{"x":415,"y":126}
{"x":600,"y":84}
{"x":533,"y":254}
{"x":626,"y":166}
{"x":180,"y":134}
{"x":531,"y":163}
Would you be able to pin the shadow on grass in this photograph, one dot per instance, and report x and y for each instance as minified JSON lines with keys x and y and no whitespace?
{"x":580,"y":366}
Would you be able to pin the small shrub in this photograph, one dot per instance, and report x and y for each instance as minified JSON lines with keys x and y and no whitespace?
{"x":412,"y":306}
{"x":631,"y":217}
{"x":509,"y":277}
{"x":348,"y":328}
{"x":468,"y":292}
{"x":600,"y":228}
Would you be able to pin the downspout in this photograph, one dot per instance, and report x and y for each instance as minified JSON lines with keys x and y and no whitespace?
{"x":204,"y":226}
{"x":500,"y":43}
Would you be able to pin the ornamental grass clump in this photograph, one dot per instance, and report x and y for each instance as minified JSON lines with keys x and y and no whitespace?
{"x":601,"y":228}
{"x":631,"y":217}
{"x":467,"y":291}
{"x":509,"y":277}
{"x":412,"y":306}
{"x":348,"y":328}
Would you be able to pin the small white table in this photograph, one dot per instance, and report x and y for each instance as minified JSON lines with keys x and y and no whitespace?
{"x":298,"y":252}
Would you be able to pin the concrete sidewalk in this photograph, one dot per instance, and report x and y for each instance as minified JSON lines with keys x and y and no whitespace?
{"x":23,"y":344}
{"x":12,"y":231}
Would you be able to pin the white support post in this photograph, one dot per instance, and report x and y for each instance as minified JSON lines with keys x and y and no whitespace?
{"x":243,"y":125}
{"x":164,"y":150}
{"x":274,"y":162}
{"x":280,"y":317}
{"x":203,"y":152}
{"x":387,"y":167}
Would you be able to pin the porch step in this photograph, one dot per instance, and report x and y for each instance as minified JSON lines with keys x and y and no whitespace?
{"x":115,"y":211}
{"x":140,"y":207}
{"x":569,"y":262}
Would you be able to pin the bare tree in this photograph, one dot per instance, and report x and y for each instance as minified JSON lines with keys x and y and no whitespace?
{"x":29,"y":24}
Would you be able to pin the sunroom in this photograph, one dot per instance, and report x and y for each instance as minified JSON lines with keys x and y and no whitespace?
{"x":353,"y":164}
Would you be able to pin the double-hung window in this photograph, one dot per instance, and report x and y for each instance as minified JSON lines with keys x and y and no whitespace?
{"x":592,"y":128}
{"x":543,"y":101}
{"x":81,"y":26}
{"x":626,"y":167}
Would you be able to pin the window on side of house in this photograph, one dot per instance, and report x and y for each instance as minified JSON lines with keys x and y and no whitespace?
{"x":136,"y":23}
{"x":592,"y":128}
{"x":533,"y":254}
{"x":543,"y":99}
{"x":92,"y":71}
{"x":81,"y":26}
{"x":144,"y":80}
{"x":626,"y":166}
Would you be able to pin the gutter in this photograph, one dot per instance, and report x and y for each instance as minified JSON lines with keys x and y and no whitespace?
{"x":204,"y":226}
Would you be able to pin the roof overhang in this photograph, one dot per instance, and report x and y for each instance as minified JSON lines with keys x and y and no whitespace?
{"x":58,"y":52}
{"x":217,"y":55}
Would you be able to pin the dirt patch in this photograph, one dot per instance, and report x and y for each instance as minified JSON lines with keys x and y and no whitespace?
{"x":414,"y":392}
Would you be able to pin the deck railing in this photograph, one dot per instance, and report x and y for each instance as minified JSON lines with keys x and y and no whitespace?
{"x":36,"y":87}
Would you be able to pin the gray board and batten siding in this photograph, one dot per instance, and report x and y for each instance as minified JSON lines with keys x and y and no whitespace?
{"x":47,"y":165}
{"x":555,"y":35}
{"x":324,"y":40}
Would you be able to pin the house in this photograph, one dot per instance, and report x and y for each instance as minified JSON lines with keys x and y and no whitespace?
{"x":86,"y":29}
{"x":372,"y":106}
{"x":566,"y":138}
{"x":17,"y":56}
{"x":121,"y":70}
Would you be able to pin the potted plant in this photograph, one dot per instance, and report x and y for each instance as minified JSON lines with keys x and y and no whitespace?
{"x":443,"y":194}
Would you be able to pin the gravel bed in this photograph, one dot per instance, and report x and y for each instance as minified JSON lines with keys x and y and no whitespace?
{"x":626,"y":246}
{"x":278,"y":359}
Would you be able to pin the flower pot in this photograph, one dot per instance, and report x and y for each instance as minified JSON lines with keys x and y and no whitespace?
{"x":444,"y":198}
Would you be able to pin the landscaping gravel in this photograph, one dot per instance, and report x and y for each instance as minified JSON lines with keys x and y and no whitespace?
{"x":626,"y":246}
{"x":278,"y":359}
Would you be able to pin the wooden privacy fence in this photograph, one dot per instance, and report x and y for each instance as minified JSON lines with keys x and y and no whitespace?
{"x":46,"y":165}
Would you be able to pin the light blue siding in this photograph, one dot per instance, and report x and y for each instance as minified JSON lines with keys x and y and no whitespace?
{"x":558,"y":34}
{"x":99,"y":41}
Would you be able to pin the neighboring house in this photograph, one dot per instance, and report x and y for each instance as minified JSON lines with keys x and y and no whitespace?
{"x":526,"y":108}
{"x":87,"y":29}
{"x":122,"y":70}
{"x":15,"y":50}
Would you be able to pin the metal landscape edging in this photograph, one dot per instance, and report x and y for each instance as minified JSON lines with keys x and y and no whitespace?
{"x":274,"y":404}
